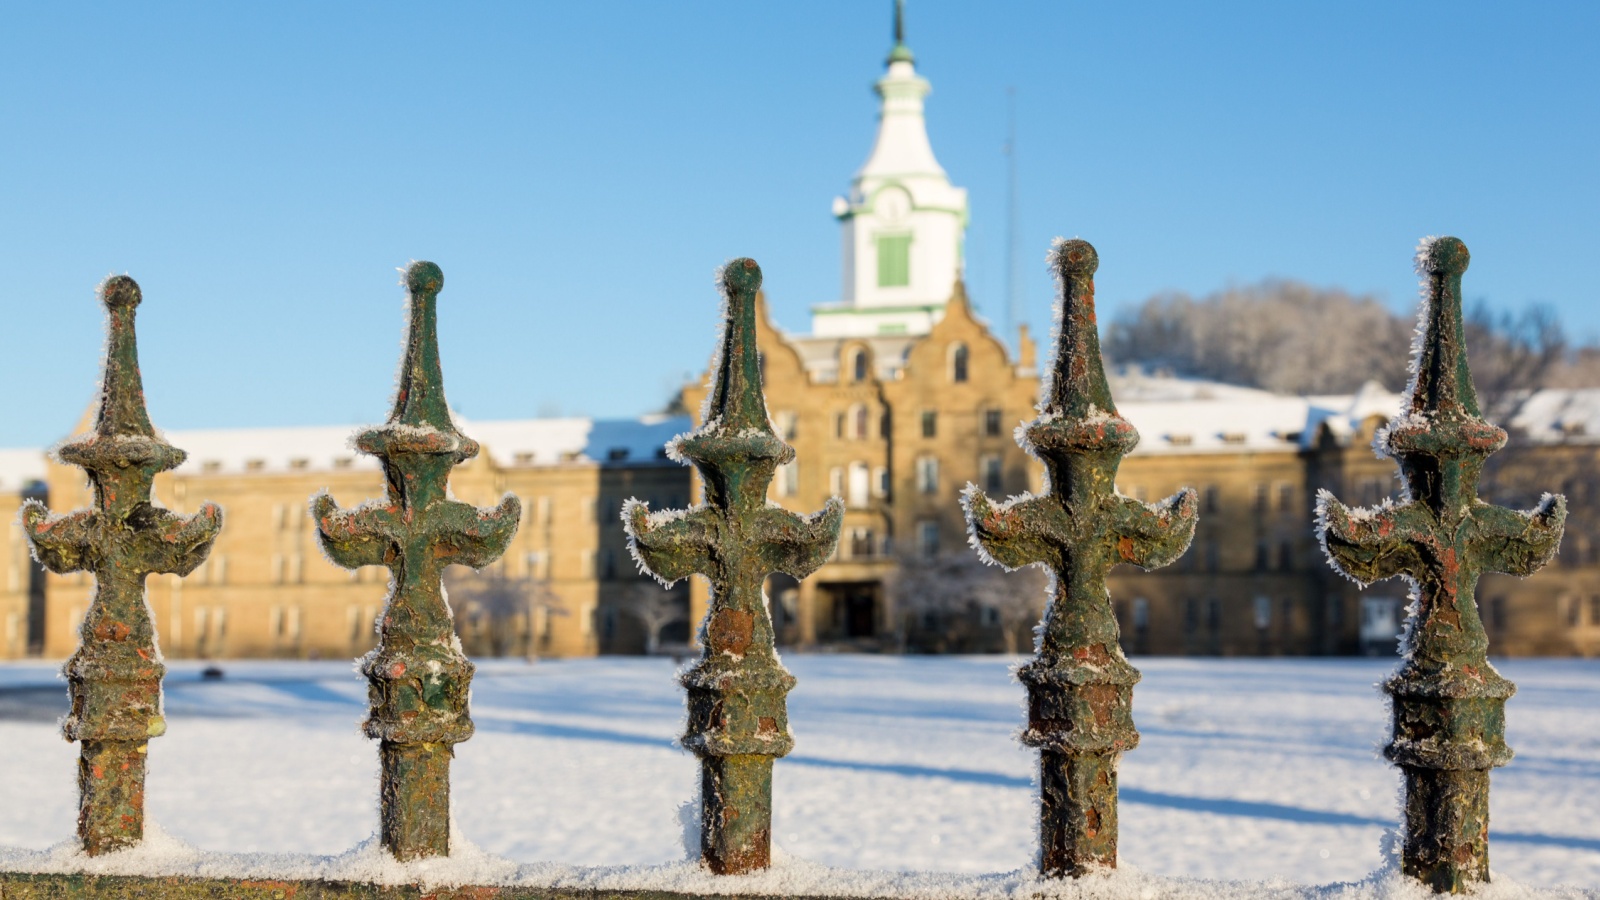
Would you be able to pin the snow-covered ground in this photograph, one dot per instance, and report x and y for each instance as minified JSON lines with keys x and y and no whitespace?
{"x":1248,"y":769}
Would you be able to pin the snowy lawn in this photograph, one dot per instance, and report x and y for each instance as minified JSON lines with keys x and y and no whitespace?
{"x":1248,"y":769}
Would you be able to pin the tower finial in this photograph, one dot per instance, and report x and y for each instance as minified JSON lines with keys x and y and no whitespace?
{"x":900,"y":53}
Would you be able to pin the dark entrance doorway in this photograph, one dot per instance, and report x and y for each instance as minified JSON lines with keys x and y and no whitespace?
{"x":855,"y":609}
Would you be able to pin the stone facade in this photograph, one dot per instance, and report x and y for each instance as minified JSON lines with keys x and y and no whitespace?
{"x":266,"y":590}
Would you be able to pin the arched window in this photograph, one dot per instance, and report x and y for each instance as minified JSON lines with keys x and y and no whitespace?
{"x":859,"y":365}
{"x":958,"y":363}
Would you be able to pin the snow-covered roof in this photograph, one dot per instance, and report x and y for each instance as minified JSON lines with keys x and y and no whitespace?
{"x":19,"y":467}
{"x":509,"y":443}
{"x":1181,"y":415}
{"x":1558,"y":415}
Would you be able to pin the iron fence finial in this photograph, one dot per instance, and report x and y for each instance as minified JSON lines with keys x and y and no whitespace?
{"x":1448,"y":701}
{"x":419,"y":677}
{"x":738,"y":717}
{"x":1080,"y":686}
{"x":115,"y":675}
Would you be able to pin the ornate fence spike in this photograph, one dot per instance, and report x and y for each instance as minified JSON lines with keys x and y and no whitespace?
{"x":1080,"y":687}
{"x":115,"y":675}
{"x":1448,"y":701}
{"x":738,"y":721}
{"x":418,"y":673}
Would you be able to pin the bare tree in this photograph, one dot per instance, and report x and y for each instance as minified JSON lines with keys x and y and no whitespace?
{"x":655,"y":607}
{"x":497,"y":615}
{"x":1511,"y":353}
{"x":1279,"y":335}
{"x":965,"y":601}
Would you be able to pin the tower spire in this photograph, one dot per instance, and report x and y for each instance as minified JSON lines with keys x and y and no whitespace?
{"x":900,"y":52}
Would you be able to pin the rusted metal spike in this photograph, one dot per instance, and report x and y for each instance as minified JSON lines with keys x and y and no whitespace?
{"x":1448,"y":701}
{"x":738,"y":720}
{"x":115,"y":675}
{"x":418,"y":674}
{"x":1080,"y":687}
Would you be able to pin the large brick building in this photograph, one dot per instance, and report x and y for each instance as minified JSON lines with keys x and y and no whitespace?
{"x":897,"y":397}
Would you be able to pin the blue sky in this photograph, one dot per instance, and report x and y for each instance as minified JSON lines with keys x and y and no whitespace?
{"x":578,"y":170}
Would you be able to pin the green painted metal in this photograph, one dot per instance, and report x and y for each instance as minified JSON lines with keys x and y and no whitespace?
{"x":418,"y":674}
{"x":115,"y":675}
{"x":738,"y":720}
{"x":1080,"y":687}
{"x":1448,"y":701}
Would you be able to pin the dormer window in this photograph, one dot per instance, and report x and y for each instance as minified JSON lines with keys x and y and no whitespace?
{"x":858,"y":365}
{"x":958,"y":363}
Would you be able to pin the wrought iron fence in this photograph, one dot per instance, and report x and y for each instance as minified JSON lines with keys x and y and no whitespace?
{"x":1448,"y":702}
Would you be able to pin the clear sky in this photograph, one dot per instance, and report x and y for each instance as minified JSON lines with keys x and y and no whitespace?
{"x":579,"y":169}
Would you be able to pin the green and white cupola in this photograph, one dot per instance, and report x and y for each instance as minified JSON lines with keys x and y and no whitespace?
{"x":902,"y":223}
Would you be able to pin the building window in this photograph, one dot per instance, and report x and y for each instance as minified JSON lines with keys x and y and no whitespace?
{"x":858,"y":420}
{"x":1497,"y":613}
{"x":1263,"y":613}
{"x":930,"y":423}
{"x":958,"y":363}
{"x":788,"y":424}
{"x":860,"y":484}
{"x":858,"y":365}
{"x":1263,"y":497}
{"x":880,"y":481}
{"x":1141,"y":614}
{"x":989,"y":470}
{"x":1286,"y":498}
{"x":928,"y":539}
{"x":789,"y":478}
{"x":838,"y":425}
{"x":836,"y":482}
{"x":1213,"y":615}
{"x":928,"y":475}
{"x":991,"y":423}
{"x":1262,"y":556}
{"x":1191,"y":615}
{"x":1286,"y":557}
{"x":1213,"y":498}
{"x":894,"y":260}
{"x":1594,"y":610}
{"x":1212,"y":563}
{"x":608,"y":570}
{"x":861,"y":543}
{"x":1574,"y":612}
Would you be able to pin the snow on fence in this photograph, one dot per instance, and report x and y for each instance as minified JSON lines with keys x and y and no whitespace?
{"x":1448,"y":701}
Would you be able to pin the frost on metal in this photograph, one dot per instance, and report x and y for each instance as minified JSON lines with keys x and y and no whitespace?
{"x":115,"y":675}
{"x":738,"y":717}
{"x":1080,"y":687}
{"x":418,"y":674}
{"x":1448,"y":701}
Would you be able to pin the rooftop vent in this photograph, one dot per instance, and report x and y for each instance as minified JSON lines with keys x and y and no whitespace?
{"x":525,"y":458}
{"x":617,"y":454}
{"x":1180,"y":440}
{"x":1233,"y":437}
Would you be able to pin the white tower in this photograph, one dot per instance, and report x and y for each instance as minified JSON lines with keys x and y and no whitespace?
{"x":903,"y":223}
